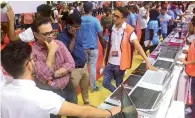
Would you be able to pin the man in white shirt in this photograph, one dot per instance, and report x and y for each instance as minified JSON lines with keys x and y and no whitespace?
{"x":22,"y":99}
{"x":144,"y":18}
{"x":119,"y":50}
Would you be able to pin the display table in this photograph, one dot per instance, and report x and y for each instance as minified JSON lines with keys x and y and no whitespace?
{"x":171,"y":94}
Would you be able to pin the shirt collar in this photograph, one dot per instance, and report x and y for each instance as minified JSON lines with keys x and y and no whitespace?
{"x":123,"y":26}
{"x":39,"y":46}
{"x":23,"y":82}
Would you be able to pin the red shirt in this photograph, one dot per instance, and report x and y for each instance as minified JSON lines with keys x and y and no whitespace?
{"x":63,"y":59}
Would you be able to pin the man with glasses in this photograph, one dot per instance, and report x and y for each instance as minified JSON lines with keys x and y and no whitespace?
{"x":72,"y":38}
{"x":54,"y":62}
{"x":119,"y":50}
{"x":22,"y":99}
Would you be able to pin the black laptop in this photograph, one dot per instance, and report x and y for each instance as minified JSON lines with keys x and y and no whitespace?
{"x":140,"y":70}
{"x":132,"y":80}
{"x":163,"y":64}
{"x":128,"y":109}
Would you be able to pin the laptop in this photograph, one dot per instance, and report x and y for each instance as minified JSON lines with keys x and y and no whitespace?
{"x":131,"y":81}
{"x":145,"y":99}
{"x":155,"y":77}
{"x":168,"y":54}
{"x":140,"y":70}
{"x":128,"y":109}
{"x":117,"y":93}
{"x":163,"y":64}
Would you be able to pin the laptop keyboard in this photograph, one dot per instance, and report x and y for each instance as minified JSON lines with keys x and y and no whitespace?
{"x":154,"y":77}
{"x":163,"y":64}
{"x":144,"y":98}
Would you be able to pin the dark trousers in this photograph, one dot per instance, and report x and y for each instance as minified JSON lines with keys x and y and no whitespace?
{"x":142,"y":39}
{"x":112,"y":72}
{"x":94,"y":12}
{"x":67,"y":93}
{"x":152,"y":48}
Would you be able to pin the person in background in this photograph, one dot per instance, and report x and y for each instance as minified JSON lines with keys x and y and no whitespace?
{"x":7,"y":27}
{"x":154,"y":30}
{"x":30,"y":101}
{"x":144,"y":17}
{"x":46,"y":11}
{"x":132,"y":17}
{"x":91,"y":30}
{"x":107,"y":22}
{"x":165,"y":20}
{"x":27,"y":19}
{"x":71,"y":37}
{"x":119,"y":52}
{"x":94,"y":11}
{"x":54,"y":63}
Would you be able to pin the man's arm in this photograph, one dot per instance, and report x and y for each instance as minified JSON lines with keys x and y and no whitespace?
{"x":68,"y":65}
{"x":141,"y":51}
{"x":69,"y":109}
{"x":11,"y":31}
{"x":102,"y":40}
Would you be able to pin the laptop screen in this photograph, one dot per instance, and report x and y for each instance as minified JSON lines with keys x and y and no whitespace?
{"x":128,"y":108}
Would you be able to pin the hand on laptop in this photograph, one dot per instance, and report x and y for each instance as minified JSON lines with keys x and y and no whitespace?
{"x":150,"y":67}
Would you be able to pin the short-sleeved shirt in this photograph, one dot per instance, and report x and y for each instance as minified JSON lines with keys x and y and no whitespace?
{"x":153,"y":24}
{"x":116,"y":38}
{"x":78,"y":53}
{"x":90,"y":27}
{"x":164,"y":21}
{"x":22,"y":99}
{"x":171,"y":13}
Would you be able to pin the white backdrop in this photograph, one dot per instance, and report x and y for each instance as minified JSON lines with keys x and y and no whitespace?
{"x":25,"y":6}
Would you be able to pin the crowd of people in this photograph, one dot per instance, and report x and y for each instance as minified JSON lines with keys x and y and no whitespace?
{"x":49,"y":60}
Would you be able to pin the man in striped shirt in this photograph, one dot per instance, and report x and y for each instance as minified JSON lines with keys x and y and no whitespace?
{"x":53,"y":63}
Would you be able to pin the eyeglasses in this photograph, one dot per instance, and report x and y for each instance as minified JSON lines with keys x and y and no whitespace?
{"x":48,"y":34}
{"x":34,"y":58}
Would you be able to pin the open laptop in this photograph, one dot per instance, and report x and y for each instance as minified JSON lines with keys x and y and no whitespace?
{"x":117,"y":93}
{"x":155,"y":77}
{"x":167,"y":65}
{"x":131,"y":81}
{"x":140,"y":70}
{"x":128,"y":109}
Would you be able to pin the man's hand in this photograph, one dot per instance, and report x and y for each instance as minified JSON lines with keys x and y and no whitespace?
{"x":10,"y":14}
{"x":52,"y":46}
{"x":72,"y":31}
{"x":150,"y":67}
{"x":182,"y":60}
{"x":115,"y":110}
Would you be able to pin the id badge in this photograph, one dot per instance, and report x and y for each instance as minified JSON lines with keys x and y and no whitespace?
{"x":114,"y":53}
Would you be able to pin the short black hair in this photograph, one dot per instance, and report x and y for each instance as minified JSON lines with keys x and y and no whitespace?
{"x":88,"y":7}
{"x":38,"y":22}
{"x":74,"y":18}
{"x":124,"y":11}
{"x":14,"y":56}
{"x":44,"y":10}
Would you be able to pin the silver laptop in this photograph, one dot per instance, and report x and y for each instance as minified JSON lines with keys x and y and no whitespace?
{"x":155,"y":77}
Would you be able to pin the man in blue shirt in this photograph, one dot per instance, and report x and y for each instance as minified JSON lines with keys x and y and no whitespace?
{"x":72,"y":38}
{"x":132,"y":17}
{"x":91,"y":30}
{"x":165,"y":20}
